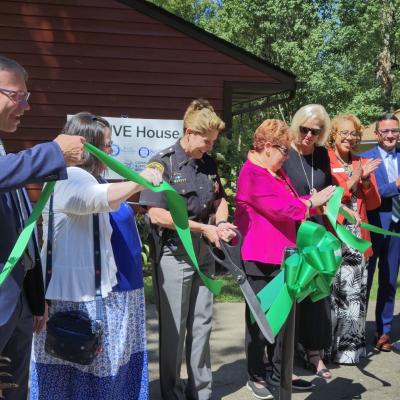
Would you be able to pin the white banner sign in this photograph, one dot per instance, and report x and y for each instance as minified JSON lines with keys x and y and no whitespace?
{"x":136,"y":140}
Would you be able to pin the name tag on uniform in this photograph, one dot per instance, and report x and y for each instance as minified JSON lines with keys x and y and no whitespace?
{"x":340,"y":169}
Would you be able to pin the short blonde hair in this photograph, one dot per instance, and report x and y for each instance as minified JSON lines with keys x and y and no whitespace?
{"x":274,"y":131}
{"x":200,"y":117}
{"x":335,"y":128}
{"x":312,"y":112}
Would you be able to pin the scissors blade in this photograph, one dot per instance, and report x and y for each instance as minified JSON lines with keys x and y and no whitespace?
{"x":257,"y":311}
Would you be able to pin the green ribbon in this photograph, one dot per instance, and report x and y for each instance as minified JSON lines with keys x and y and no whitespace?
{"x":23,"y":239}
{"x":309,"y":272}
{"x":368,"y":227}
{"x":333,"y":209}
{"x":176,"y":206}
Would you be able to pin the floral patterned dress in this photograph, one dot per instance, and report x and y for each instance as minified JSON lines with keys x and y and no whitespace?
{"x":348,"y":300}
{"x":120,"y":370}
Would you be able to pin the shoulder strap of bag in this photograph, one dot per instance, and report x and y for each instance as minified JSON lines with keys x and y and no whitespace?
{"x":96,"y":253}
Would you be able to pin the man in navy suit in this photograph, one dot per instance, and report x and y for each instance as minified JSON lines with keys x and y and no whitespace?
{"x":22,"y":302}
{"x":387,"y":216}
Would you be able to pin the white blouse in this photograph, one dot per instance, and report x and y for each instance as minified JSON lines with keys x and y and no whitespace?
{"x":75,"y":201}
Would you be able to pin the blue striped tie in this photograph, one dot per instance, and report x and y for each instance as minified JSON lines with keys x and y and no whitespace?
{"x":393,"y":175}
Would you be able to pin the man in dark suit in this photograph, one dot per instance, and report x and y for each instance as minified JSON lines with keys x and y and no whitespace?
{"x":387,"y":216}
{"x":22,"y":302}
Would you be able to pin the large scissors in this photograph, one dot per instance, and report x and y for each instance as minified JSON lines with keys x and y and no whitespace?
{"x":230,"y":258}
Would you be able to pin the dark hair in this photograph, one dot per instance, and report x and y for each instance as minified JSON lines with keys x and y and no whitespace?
{"x":8,"y":64}
{"x":91,"y":127}
{"x":385,"y":117}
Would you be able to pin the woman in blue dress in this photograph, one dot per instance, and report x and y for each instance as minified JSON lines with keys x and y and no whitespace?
{"x":120,"y":370}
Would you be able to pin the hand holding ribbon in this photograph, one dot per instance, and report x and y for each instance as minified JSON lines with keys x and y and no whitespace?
{"x":176,"y":206}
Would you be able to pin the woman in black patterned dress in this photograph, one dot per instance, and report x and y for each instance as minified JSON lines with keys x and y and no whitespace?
{"x":349,"y":294}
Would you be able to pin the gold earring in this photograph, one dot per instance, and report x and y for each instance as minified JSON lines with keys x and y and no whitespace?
{"x":267,"y":153}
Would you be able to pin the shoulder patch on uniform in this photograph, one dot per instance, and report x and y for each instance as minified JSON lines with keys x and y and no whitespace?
{"x":156,"y":165}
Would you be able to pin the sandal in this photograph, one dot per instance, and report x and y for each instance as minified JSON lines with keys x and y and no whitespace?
{"x":323,"y":373}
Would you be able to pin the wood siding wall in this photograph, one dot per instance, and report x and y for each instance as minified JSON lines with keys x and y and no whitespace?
{"x":102,"y":56}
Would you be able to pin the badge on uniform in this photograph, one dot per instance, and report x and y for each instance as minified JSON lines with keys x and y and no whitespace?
{"x":177,"y":178}
{"x":157,"y":166}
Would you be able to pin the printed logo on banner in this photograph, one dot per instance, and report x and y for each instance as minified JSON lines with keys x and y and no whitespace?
{"x":145,"y":152}
{"x":115,"y":150}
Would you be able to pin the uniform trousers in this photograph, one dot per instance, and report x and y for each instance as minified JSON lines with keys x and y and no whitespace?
{"x":16,"y":343}
{"x":185,"y":307}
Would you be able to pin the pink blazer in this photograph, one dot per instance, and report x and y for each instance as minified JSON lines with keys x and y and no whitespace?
{"x":266,"y":214}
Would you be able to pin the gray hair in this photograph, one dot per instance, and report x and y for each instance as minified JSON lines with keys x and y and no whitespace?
{"x":7,"y":64}
{"x":312,"y":112}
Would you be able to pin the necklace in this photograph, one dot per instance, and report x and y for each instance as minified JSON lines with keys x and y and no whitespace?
{"x":346,"y":165}
{"x":311,"y":186}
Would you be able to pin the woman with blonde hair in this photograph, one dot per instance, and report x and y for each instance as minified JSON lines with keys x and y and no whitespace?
{"x":355,"y":175}
{"x":184,"y":303}
{"x":308,"y":168}
{"x":268,"y":206}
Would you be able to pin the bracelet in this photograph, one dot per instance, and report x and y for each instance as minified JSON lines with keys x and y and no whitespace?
{"x":311,"y":203}
{"x":221,"y":222}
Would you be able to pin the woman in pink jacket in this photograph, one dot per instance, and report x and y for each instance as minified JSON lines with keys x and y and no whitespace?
{"x":267,"y":210}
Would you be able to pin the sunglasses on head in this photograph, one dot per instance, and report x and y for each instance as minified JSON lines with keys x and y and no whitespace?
{"x":305,"y":129}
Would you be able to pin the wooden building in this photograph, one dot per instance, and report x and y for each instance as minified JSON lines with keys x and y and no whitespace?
{"x":124,"y":58}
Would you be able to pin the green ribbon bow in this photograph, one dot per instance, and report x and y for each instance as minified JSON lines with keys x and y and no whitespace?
{"x":309,"y":272}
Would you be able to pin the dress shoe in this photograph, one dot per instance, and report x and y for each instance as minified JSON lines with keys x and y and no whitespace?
{"x":382,"y":343}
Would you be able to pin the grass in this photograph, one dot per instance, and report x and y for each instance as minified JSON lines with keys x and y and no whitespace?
{"x":231,"y":292}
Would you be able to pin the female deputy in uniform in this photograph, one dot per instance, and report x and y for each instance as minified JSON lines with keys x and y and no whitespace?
{"x":184,"y":303}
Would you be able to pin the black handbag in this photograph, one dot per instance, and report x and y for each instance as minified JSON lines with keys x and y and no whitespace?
{"x":72,"y":335}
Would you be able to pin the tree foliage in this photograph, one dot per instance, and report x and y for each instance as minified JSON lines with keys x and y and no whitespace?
{"x":346,"y":52}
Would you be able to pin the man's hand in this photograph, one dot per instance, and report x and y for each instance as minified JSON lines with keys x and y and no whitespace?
{"x":72,"y":148}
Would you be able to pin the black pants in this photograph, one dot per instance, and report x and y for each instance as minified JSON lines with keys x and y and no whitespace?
{"x":16,"y":343}
{"x":262,"y":357}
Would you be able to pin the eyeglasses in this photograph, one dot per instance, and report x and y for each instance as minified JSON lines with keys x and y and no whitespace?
{"x":395,"y":131}
{"x":314,"y":131}
{"x":283,"y":149}
{"x":17,"y":96}
{"x":352,"y":134}
{"x":108,"y":145}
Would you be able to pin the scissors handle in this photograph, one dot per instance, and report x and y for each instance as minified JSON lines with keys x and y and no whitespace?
{"x":221,"y":255}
